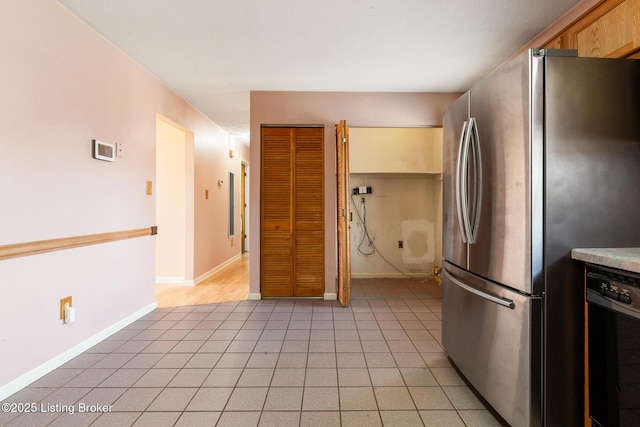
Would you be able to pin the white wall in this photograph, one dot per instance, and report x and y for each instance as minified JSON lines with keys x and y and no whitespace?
{"x":401,"y":208}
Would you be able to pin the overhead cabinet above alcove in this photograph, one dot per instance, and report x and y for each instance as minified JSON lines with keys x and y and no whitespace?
{"x":395,"y":150}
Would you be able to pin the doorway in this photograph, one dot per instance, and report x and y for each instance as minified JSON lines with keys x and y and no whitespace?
{"x":174,"y":189}
{"x":174,"y":203}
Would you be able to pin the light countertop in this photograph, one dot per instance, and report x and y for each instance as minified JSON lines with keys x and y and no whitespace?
{"x":627,"y":259}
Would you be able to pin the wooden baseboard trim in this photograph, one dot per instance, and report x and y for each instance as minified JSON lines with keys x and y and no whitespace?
{"x":173,"y":280}
{"x":205,"y":276}
{"x":390,"y":275}
{"x":17,"y":250}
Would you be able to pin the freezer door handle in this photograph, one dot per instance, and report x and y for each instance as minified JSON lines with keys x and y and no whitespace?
{"x":461,"y":167}
{"x":498,"y":300}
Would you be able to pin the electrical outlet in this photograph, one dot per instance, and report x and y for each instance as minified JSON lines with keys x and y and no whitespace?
{"x":63,"y":302}
{"x":149,"y":188}
{"x":362,"y":190}
{"x":400,"y":244}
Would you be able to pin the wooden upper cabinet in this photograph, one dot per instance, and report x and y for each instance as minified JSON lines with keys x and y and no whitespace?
{"x":616,"y":34}
{"x":610,"y":30}
{"x":557,"y":43}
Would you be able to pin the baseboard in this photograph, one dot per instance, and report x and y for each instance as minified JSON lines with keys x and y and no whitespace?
{"x":330,"y":296}
{"x":389,"y":275}
{"x":214,"y":270}
{"x":254,"y":296}
{"x":59,"y":360}
{"x":172,"y":280}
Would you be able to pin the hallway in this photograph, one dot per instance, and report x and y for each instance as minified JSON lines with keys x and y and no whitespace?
{"x":229,"y":284}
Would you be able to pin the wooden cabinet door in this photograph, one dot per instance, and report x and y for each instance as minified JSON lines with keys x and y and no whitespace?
{"x":292,"y":210}
{"x":615,"y":34}
{"x":611,"y":29}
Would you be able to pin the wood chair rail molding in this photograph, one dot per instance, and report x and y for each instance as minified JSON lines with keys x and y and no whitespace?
{"x":16,"y":250}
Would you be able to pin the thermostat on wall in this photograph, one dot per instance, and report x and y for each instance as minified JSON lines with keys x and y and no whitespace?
{"x":104,"y":151}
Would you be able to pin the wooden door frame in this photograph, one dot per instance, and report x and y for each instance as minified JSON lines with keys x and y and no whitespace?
{"x":243,"y":205}
{"x":343,"y":214}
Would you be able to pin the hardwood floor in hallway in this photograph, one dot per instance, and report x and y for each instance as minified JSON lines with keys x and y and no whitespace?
{"x":232,"y":284}
{"x":229,"y":284}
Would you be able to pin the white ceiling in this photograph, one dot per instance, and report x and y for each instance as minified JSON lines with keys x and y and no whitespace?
{"x":213,"y":52}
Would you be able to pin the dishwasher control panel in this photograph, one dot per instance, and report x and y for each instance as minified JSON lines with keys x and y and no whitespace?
{"x":614,"y":285}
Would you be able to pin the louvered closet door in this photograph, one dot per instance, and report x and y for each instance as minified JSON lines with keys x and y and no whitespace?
{"x":309,"y":212}
{"x":292,"y":253}
{"x":277,"y":228}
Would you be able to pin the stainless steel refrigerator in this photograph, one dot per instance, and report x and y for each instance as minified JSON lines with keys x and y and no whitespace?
{"x":541,"y":156}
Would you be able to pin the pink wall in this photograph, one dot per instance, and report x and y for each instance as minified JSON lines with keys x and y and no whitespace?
{"x":328,"y":108}
{"x":62,"y":86}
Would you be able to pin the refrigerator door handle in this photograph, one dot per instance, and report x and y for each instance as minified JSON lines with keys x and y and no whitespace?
{"x":502,"y":301}
{"x":474,"y":224}
{"x":460,"y":167}
{"x":464,"y":184}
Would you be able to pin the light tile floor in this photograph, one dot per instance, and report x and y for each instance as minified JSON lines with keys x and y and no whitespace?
{"x":265,"y":363}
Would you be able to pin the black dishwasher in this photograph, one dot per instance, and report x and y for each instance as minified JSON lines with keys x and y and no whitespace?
{"x":613,"y":298}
